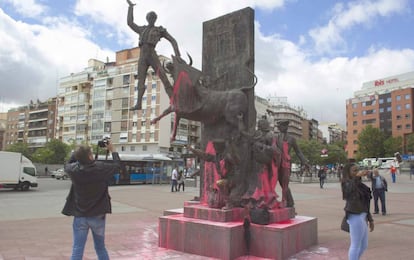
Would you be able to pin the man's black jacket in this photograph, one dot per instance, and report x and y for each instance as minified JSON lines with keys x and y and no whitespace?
{"x":88,"y":195}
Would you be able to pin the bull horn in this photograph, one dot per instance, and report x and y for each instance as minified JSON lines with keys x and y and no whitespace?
{"x":254,"y":77}
{"x":191,"y":59}
{"x":165,"y":67}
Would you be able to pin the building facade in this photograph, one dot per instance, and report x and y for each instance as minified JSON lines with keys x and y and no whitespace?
{"x":34,"y":124}
{"x":386,"y":104}
{"x":332,"y":132}
{"x":3,"y":126}
{"x":277,"y":108}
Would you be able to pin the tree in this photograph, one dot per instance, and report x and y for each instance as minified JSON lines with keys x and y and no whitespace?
{"x":370,"y":143}
{"x":393,"y":145}
{"x":22,"y":148}
{"x":54,"y":152}
{"x":310,"y":149}
{"x":409,"y":146}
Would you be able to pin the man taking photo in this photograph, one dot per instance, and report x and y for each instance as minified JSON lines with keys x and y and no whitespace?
{"x":88,"y":200}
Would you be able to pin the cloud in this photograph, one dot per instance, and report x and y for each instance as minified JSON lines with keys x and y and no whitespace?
{"x":27,"y":8}
{"x":35,"y":56}
{"x":328,"y":38}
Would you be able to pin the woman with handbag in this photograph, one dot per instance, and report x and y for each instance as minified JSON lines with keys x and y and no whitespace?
{"x":357,"y":196}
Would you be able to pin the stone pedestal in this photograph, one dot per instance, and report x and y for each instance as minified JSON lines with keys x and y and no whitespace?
{"x":220,"y":233}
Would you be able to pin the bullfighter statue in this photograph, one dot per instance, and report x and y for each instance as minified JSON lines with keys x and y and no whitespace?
{"x":149,"y":36}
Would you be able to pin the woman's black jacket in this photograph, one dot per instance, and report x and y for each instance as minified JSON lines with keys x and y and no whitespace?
{"x":357,"y":196}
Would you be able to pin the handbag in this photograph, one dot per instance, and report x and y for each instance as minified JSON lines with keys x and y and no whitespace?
{"x":344,"y":225}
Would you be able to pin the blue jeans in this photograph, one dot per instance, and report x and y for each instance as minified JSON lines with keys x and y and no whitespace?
{"x":174,"y":184}
{"x":358,"y":231}
{"x":81,"y":226}
{"x":393,"y":177}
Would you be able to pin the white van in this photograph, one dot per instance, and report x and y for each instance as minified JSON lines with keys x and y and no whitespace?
{"x":385,"y":163}
{"x":17,"y":171}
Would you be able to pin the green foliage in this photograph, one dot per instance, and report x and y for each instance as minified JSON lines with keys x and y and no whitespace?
{"x":393,"y":145}
{"x":312,"y":151}
{"x":22,"y":148}
{"x":409,"y":147}
{"x":370,"y":143}
{"x":54,"y":152}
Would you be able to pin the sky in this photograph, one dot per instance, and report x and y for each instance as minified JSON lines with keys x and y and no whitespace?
{"x":316,"y":53}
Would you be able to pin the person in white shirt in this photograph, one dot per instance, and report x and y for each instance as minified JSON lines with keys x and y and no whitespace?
{"x":174,"y":177}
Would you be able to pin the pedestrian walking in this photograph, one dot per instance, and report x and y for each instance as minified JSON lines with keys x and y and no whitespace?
{"x":174,"y":178}
{"x":393,"y":171}
{"x":379,"y":187}
{"x":322,"y":176}
{"x":180,"y":180}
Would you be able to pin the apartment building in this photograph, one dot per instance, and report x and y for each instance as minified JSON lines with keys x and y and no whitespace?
{"x":332,"y":132}
{"x":34,"y":124}
{"x":3,"y":125}
{"x":277,"y":108}
{"x":96,"y":102}
{"x":385,"y":103}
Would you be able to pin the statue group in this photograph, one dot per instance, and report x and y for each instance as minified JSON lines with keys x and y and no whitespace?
{"x":233,"y":183}
{"x":241,"y":166}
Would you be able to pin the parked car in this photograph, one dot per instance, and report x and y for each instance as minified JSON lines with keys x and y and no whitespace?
{"x":58,"y":174}
{"x":61,"y":175}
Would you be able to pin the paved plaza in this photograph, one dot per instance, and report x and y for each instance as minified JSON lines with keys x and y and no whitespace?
{"x":32,"y":228}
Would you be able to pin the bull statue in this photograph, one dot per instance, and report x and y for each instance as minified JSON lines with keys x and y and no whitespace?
{"x":192,"y":98}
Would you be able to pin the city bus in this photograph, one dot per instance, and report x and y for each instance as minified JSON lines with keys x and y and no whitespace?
{"x":142,"y":168}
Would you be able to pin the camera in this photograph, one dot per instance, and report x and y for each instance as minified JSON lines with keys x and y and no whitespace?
{"x":104,"y":142}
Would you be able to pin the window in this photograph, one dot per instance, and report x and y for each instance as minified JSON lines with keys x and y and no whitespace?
{"x":132,"y":148}
{"x":381,"y":101}
{"x":388,"y":100}
{"x":399,"y":127}
{"x":407,"y":96}
{"x":407,"y":126}
{"x":355,"y":131}
{"x":381,"y":110}
{"x":398,"y":98}
{"x":29,"y":170}
{"x":398,"y":107}
{"x":125,"y":80}
{"x":355,"y":114}
{"x":407,"y":106}
{"x":407,"y":116}
{"x":107,"y":126}
{"x":388,"y":109}
{"x":354,"y":123}
{"x":369,"y":121}
{"x":125,"y":102}
{"x":144,"y":147}
{"x":398,"y":117}
{"x":355,"y":105}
